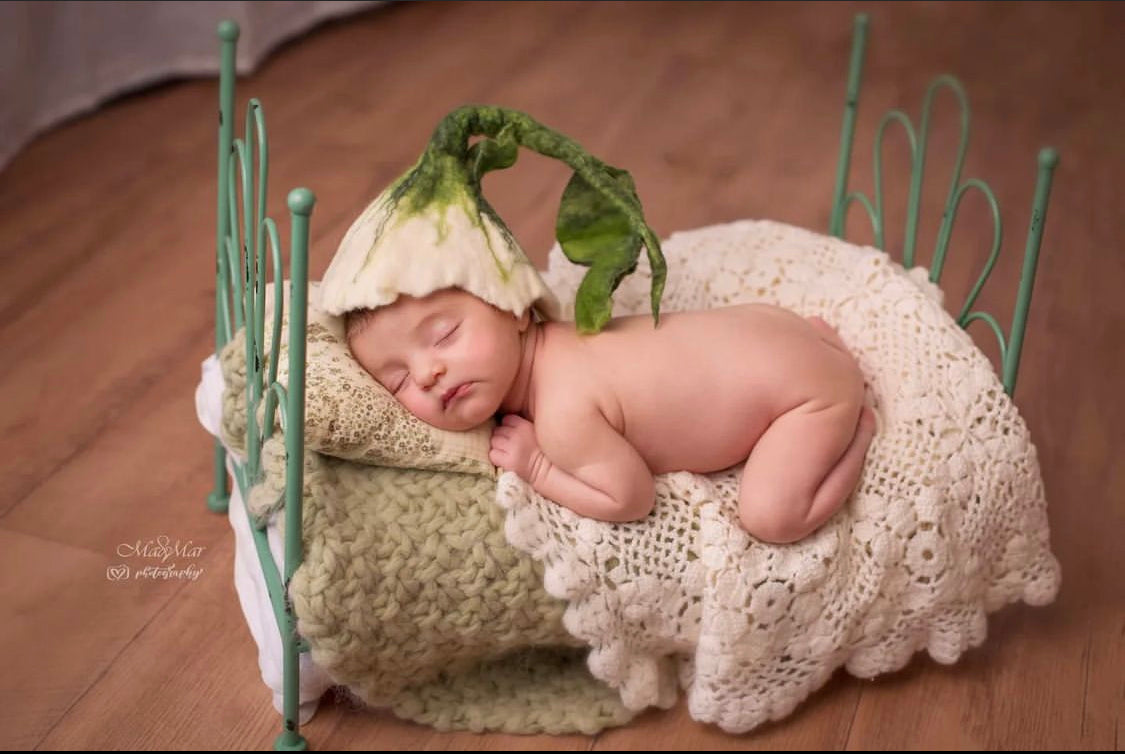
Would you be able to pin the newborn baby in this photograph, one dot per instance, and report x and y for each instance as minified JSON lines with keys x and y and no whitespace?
{"x":589,"y":419}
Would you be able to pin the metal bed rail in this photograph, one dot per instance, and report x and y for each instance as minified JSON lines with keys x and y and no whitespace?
{"x":240,"y":303}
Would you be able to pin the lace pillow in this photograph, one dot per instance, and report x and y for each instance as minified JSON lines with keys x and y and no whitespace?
{"x":348,"y":414}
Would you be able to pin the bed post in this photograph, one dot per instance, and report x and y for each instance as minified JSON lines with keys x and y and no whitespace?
{"x":1048,"y":159}
{"x":228,"y":36}
{"x":300,"y":202}
{"x":847,"y":135}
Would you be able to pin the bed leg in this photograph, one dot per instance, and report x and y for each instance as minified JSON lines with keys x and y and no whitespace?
{"x":290,"y":740}
{"x":219,"y":498}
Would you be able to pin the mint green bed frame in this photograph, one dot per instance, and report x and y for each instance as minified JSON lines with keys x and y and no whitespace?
{"x":243,"y":235}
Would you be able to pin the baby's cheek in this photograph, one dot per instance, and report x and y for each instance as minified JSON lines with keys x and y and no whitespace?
{"x":412,"y":404}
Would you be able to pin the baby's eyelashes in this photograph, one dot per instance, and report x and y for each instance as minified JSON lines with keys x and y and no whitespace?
{"x":395,"y":382}
{"x":448,"y":332}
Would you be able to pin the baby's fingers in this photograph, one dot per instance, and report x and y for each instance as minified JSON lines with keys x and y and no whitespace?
{"x":513,"y":420}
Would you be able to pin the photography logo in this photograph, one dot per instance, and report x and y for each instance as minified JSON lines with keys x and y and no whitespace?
{"x":159,"y":559}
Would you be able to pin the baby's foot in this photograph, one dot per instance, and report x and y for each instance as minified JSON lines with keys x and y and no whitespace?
{"x":866,"y":427}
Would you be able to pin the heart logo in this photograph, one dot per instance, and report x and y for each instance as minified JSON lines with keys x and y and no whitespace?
{"x":117,"y":572}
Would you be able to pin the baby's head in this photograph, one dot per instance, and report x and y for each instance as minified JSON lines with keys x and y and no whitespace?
{"x":449,"y":357}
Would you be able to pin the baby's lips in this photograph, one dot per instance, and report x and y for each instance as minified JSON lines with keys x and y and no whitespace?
{"x":453,"y":392}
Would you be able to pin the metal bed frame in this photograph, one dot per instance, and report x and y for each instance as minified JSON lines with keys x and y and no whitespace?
{"x":240,"y":291}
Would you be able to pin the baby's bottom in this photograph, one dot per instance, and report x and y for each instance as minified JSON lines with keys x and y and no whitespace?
{"x":804,"y":466}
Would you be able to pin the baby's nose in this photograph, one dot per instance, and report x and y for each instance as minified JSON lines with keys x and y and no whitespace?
{"x":431,"y":375}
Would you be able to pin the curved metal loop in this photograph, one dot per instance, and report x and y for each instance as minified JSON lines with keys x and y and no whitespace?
{"x":270,"y":228}
{"x":989,"y":320}
{"x":891,"y":116}
{"x":240,"y":179}
{"x":237,"y":179}
{"x":248,"y":289}
{"x":255,"y":117}
{"x":232,"y":298}
{"x":243,"y":164}
{"x":224,"y":314}
{"x":859,"y":196}
{"x":938,"y":261}
{"x":997,"y":239}
{"x":278,"y":390}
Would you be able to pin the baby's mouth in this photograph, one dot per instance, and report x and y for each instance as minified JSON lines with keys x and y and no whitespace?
{"x":453,"y":394}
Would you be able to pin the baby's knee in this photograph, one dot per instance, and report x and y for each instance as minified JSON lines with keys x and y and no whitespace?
{"x":778,"y":522}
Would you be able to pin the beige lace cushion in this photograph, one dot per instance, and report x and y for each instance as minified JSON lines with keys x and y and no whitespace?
{"x":349,"y":415}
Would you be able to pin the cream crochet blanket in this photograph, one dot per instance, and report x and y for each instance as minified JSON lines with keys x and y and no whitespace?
{"x":948,"y":522}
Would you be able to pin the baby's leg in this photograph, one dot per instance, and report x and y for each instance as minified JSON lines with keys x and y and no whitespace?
{"x":803,"y":469}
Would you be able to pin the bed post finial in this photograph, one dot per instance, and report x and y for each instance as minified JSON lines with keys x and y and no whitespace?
{"x":228,"y":31}
{"x":301,"y":201}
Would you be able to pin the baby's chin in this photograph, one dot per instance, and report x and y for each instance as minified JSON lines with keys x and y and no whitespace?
{"x":468,"y":417}
{"x":460,"y":425}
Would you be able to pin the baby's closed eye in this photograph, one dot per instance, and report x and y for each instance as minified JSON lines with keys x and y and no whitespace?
{"x":445,"y":332}
{"x":393,"y":381}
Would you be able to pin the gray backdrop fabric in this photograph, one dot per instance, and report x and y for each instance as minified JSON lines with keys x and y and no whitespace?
{"x":60,"y":59}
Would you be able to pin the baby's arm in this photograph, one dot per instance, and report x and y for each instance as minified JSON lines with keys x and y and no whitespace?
{"x":591,"y":468}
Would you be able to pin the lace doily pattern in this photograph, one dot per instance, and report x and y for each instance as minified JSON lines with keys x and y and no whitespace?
{"x":947,"y":524}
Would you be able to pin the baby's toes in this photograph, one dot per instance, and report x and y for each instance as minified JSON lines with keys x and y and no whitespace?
{"x":868,"y":423}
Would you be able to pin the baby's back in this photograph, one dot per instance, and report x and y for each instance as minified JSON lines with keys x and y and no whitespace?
{"x":696,"y":392}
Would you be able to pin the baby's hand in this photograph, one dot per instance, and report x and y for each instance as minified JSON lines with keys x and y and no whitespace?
{"x":515,"y":448}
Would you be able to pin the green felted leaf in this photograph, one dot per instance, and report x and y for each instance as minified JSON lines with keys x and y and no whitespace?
{"x":596,"y":233}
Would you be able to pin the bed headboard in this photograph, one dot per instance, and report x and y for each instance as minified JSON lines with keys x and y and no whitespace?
{"x":1012,"y":345}
{"x":240,"y":303}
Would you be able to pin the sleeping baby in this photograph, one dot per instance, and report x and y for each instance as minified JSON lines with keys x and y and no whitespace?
{"x":439,"y":299}
{"x":588,"y":420}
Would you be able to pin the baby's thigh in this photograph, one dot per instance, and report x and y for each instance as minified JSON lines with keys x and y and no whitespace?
{"x":799,"y":448}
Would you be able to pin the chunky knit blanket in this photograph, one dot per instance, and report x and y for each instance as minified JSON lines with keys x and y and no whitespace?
{"x":947,"y":524}
{"x":411,"y":599}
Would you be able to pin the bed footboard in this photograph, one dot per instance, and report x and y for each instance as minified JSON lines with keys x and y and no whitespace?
{"x":1010,"y":346}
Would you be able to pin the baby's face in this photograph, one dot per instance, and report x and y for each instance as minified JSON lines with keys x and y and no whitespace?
{"x":449,"y":358}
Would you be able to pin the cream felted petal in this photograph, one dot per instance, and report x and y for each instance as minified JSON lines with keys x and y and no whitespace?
{"x":389,"y":251}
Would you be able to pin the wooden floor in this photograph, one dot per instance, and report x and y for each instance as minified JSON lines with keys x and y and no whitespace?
{"x":720,"y":111}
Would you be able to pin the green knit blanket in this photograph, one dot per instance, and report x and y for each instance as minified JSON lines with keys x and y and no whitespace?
{"x":410,"y":596}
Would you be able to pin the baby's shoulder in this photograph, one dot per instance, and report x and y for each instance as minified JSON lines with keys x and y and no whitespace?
{"x":570,"y":385}
{"x":566,"y":409}
{"x":562,"y":403}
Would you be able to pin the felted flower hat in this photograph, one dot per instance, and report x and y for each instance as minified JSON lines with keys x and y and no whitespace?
{"x":433,"y":229}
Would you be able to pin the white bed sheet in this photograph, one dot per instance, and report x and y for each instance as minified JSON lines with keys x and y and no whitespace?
{"x":249,"y":582}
